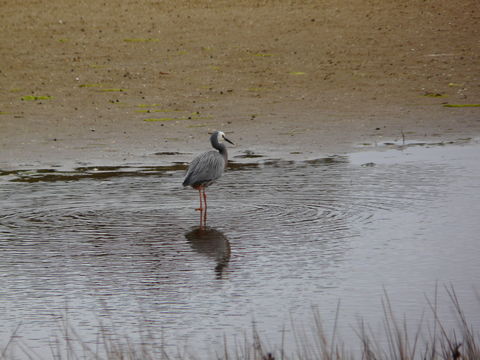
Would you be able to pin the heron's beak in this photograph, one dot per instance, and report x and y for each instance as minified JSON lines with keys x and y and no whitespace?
{"x":228,"y":141}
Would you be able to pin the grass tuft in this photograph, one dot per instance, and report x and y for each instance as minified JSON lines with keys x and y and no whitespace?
{"x":427,"y":342}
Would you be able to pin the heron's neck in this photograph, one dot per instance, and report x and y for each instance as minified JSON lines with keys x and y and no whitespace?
{"x":223,"y":151}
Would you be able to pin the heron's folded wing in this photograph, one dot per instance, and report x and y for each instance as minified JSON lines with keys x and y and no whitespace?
{"x":206,"y":167}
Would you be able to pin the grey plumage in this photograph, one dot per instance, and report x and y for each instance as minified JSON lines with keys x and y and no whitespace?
{"x":205,"y":169}
{"x":208,"y":167}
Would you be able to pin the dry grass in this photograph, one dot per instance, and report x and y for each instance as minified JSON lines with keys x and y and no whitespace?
{"x":431,"y":341}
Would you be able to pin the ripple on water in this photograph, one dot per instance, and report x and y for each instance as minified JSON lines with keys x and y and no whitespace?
{"x":119,"y":235}
{"x":310,"y":197}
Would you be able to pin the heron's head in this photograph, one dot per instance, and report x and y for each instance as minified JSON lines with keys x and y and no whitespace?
{"x":221,"y":137}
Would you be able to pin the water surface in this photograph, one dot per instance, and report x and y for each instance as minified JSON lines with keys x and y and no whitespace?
{"x":122,"y":246}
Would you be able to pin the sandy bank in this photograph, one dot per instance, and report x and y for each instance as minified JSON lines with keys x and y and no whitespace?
{"x":121,"y":81}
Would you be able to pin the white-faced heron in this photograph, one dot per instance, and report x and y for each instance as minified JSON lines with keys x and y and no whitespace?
{"x":208,"y":167}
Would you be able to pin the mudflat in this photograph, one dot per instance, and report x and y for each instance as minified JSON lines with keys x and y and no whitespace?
{"x":122,"y":82}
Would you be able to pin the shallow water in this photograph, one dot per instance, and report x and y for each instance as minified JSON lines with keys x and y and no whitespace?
{"x":122,"y":247}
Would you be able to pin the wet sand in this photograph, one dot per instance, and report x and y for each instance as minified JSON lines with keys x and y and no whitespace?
{"x":123,"y":82}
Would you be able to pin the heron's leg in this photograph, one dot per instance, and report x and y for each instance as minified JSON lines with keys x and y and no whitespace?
{"x":200,"y":195}
{"x":205,"y":217}
{"x":205,"y":199}
{"x":202,"y":219}
{"x":203,"y":210}
{"x":205,"y":204}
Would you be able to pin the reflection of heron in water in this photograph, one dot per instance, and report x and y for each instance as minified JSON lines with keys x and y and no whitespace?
{"x":212,"y":243}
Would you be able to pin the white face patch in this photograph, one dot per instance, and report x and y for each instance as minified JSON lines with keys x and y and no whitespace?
{"x":220,"y":136}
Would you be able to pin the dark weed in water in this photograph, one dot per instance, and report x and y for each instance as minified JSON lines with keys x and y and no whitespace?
{"x":104,"y":172}
{"x":428,"y":342}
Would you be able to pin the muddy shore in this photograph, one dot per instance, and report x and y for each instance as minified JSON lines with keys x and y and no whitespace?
{"x":127,"y":82}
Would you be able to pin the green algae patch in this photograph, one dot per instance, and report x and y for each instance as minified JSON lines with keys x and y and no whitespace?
{"x":198,"y":117}
{"x":90,"y":85}
{"x":434,"y":95}
{"x":460,"y":105}
{"x":138,"y":40}
{"x":35,"y":98}
{"x":147,"y":105}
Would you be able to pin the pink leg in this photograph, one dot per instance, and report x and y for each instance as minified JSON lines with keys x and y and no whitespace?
{"x":200,"y":195}
{"x":202,"y":219}
{"x":205,"y":199}
{"x":204,"y":212}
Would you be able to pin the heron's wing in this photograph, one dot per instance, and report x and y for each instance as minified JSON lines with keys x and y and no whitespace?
{"x":205,"y":168}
